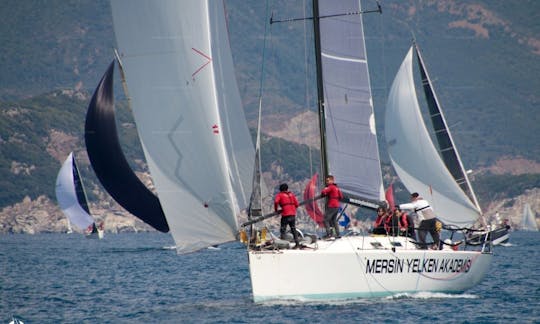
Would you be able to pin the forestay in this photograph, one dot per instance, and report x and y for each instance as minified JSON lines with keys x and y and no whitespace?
{"x":188,"y":112}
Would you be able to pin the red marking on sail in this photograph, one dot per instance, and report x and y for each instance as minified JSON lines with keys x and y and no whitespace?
{"x":215,"y":129}
{"x":202,"y":66}
{"x":389,"y":194}
{"x":312,"y":208}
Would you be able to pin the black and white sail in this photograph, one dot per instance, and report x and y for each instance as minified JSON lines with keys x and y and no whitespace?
{"x":434,"y":171}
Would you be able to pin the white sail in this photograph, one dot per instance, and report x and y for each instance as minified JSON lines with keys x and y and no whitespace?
{"x":70,"y":195}
{"x":528,"y":222}
{"x":415,"y":158}
{"x":188,"y":112}
{"x":351,"y":139}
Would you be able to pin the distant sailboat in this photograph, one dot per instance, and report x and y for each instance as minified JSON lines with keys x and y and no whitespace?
{"x":69,"y":228}
{"x":528,"y":221}
{"x":72,"y":199}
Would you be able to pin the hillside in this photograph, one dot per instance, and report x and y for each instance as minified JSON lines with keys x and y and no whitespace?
{"x":483,"y":56}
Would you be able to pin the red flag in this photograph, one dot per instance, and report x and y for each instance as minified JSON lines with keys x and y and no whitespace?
{"x":389,"y":194}
{"x":312,"y":208}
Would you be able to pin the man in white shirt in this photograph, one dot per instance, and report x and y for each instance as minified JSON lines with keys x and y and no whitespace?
{"x":428,"y":220}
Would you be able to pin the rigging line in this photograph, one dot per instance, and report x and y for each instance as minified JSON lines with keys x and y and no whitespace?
{"x":360,"y":12}
{"x":264,"y":54}
{"x":384,"y":65}
{"x":307,"y":97}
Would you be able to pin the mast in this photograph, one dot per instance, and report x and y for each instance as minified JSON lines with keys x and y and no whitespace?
{"x":446,"y":145}
{"x":320,"y":89}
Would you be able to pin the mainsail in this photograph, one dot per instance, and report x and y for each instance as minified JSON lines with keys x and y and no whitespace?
{"x":189,"y":116}
{"x":528,"y":222}
{"x":416,"y":159}
{"x":71,"y":195}
{"x":350,"y":136}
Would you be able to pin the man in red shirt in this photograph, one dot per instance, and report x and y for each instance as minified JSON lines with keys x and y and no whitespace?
{"x":334,"y":195}
{"x":288,"y":203}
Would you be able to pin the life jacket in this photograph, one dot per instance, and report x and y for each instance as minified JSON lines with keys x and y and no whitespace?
{"x":288,"y":203}
{"x":333,"y":194}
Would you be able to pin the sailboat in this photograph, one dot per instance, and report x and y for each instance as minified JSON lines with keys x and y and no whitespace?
{"x":528,"y":221}
{"x":363,"y":265}
{"x":69,"y":228}
{"x":187,"y":107}
{"x":72,"y":199}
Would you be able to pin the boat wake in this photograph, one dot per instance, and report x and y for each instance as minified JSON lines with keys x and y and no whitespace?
{"x":309,"y":302}
{"x":431,"y":295}
{"x":506,"y":244}
{"x":132,"y":249}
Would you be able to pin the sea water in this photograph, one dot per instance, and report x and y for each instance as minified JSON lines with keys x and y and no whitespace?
{"x":139,"y":278}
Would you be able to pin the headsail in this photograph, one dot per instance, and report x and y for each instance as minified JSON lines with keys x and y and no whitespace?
{"x":351,"y":139}
{"x":414,"y":156}
{"x":189,"y":115}
{"x":446,"y":146}
{"x":71,"y":195}
{"x":109,"y":162}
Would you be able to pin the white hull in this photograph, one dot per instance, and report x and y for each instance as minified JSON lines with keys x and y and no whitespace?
{"x":502,"y":239}
{"x":497,"y":236}
{"x":352,"y":267}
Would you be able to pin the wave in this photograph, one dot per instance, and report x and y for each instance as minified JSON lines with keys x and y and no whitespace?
{"x":431,"y":295}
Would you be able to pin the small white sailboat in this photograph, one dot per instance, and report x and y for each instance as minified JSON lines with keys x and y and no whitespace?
{"x":69,"y":228}
{"x":528,"y":221}
{"x":72,"y":199}
{"x":187,"y":107}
